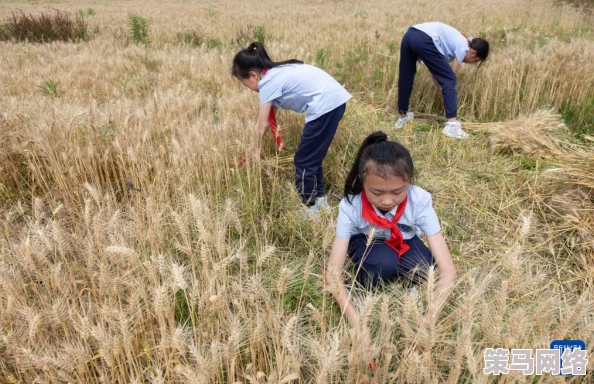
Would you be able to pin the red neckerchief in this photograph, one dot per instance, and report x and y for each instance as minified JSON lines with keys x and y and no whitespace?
{"x":396,"y":241}
{"x":272,"y":125}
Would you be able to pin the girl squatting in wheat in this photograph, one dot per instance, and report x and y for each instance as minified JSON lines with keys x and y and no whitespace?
{"x":381,"y":202}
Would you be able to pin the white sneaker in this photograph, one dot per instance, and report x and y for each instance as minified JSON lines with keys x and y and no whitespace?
{"x":313,"y":211}
{"x":401,"y":122}
{"x":306,"y":213}
{"x":321,"y":203}
{"x":454,"y":130}
{"x":416,"y":295}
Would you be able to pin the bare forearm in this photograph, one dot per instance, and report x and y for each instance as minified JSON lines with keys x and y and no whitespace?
{"x":257,"y":136}
{"x":347,"y":307}
{"x":447,"y":271}
{"x":341,"y":295}
{"x":263,"y":113}
{"x":443,"y":289}
{"x":260,"y":128}
{"x":455,"y":66}
{"x":335,"y":281}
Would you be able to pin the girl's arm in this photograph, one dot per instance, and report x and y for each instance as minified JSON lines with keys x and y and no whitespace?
{"x":455,"y":66}
{"x":335,"y":282}
{"x":447,"y":271}
{"x":263,"y":113}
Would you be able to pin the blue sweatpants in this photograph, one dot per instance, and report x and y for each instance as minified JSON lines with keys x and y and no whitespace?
{"x":380,"y":262}
{"x":315,"y":141}
{"x":419,"y":45}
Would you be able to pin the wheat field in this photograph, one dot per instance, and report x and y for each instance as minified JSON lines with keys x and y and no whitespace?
{"x":134,"y":248}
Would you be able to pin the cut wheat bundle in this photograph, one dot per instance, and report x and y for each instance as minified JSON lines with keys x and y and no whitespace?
{"x":534,"y":134}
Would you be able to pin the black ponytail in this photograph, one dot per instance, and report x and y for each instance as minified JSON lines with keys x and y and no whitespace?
{"x":387,"y":158}
{"x":255,"y":58}
{"x":481,"y":46}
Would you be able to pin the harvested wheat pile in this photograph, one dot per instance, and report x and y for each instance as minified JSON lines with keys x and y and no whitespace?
{"x":577,"y":165}
{"x":533,"y":134}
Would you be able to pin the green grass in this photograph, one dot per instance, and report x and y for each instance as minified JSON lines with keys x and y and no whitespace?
{"x":580,"y":118}
{"x":321,"y":56}
{"x":50,"y":88}
{"x":213,"y":42}
{"x":191,"y":38}
{"x":260,"y":33}
{"x":139,"y":29}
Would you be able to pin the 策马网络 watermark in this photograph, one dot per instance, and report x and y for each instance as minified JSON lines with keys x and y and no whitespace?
{"x":564,"y":357}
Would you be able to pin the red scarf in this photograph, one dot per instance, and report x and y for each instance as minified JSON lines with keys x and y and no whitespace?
{"x":396,"y":241}
{"x":272,"y":124}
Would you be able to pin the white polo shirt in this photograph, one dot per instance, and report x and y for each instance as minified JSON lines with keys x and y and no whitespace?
{"x":448,"y":40}
{"x":418,"y":217}
{"x":302,"y":88}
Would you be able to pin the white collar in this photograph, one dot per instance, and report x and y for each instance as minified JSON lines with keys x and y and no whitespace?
{"x":391,"y":211}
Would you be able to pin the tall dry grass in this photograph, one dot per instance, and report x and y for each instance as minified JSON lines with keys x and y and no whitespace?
{"x":134,"y":249}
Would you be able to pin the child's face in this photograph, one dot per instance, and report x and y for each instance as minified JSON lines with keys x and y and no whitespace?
{"x":386,"y":193}
{"x":252,"y":81}
{"x":471,"y":57}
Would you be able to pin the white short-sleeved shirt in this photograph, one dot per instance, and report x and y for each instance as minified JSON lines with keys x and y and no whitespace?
{"x":302,"y":88}
{"x":419,"y":216}
{"x":448,"y":40}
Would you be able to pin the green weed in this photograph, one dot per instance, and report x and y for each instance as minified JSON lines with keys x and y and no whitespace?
{"x":579,"y":118}
{"x":391,"y":47}
{"x":214,"y":43}
{"x":50,"y":88}
{"x":191,"y":38}
{"x":139,"y":29}
{"x":260,"y":33}
{"x":321,"y":55}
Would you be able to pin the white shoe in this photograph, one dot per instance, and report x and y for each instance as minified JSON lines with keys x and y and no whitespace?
{"x":321,"y":203}
{"x":306,"y":213}
{"x":313,"y":211}
{"x":454,"y":130}
{"x":401,"y":122}
{"x":416,"y":295}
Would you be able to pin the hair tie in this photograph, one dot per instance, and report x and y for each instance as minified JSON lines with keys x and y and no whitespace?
{"x":378,"y":137}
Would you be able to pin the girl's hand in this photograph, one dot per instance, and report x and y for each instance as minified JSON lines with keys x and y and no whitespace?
{"x":447,"y":271}
{"x":263,"y":113}
{"x":361,"y":338}
{"x":366,"y":344}
{"x":256,"y":144}
{"x":359,"y":332}
{"x":249,"y":158}
{"x":255,"y":150}
{"x":455,"y":66}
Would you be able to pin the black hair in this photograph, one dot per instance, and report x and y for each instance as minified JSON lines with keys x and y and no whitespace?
{"x":379,"y":157}
{"x":481,"y":46}
{"x":254,"y":58}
